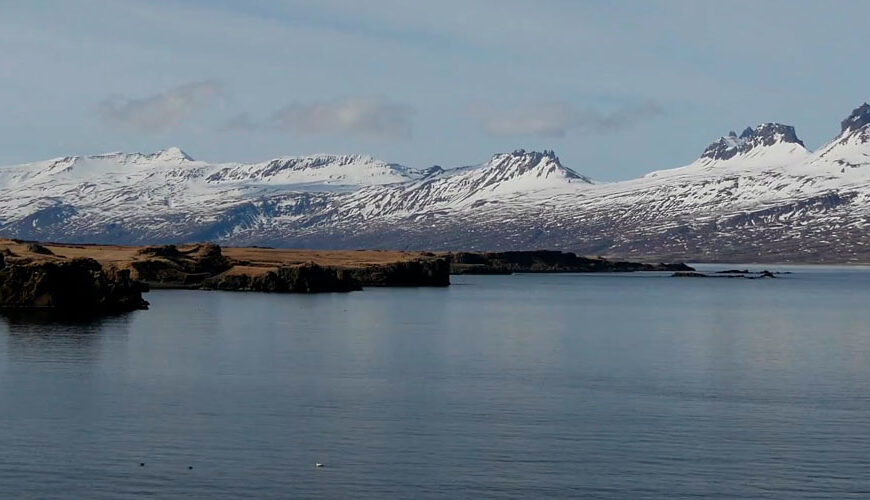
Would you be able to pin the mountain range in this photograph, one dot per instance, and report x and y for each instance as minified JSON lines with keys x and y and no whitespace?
{"x":757,"y":196}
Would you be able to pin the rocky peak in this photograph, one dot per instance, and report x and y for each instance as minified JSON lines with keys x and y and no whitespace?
{"x":859,"y":118}
{"x":432,"y":171}
{"x":531,"y":156}
{"x":172,"y":154}
{"x":766,"y":134}
{"x":520,"y":162}
{"x":521,"y":157}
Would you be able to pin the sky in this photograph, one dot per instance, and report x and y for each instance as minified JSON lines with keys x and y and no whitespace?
{"x":617,"y":89}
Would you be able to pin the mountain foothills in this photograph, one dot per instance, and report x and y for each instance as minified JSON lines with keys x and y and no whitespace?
{"x":756,"y":196}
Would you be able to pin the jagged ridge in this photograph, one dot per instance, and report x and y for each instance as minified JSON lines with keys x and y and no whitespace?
{"x":757,"y":195}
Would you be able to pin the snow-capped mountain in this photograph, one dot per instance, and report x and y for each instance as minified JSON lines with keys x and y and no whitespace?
{"x":767,"y":145}
{"x":760,"y":195}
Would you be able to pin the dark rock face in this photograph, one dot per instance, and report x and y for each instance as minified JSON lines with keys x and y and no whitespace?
{"x":731,"y":273}
{"x":166,"y":266}
{"x":766,"y":134}
{"x":424,"y":272}
{"x":545,"y":261}
{"x":39,"y":249}
{"x":205,"y":267}
{"x":308,"y":278}
{"x":77,"y":285}
{"x":859,"y":118}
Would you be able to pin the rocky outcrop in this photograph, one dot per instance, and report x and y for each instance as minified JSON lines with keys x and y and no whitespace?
{"x":204,"y":266}
{"x":38,"y":249}
{"x":306,"y":278}
{"x":859,"y":118}
{"x":168,"y":267}
{"x":766,"y":134}
{"x":77,"y":285}
{"x":692,"y":274}
{"x":423,"y":272}
{"x":545,"y":261}
{"x":731,"y":273}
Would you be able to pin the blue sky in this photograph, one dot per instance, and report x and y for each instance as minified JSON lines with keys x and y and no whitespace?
{"x":617,"y":89}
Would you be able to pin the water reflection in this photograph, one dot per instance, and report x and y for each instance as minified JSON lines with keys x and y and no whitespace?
{"x":52,"y":336}
{"x":561,"y":386}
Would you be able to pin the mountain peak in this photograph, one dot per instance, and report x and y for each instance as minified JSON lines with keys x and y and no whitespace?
{"x":532,"y":155}
{"x":173,"y":153}
{"x":766,"y":134}
{"x":859,"y":118}
{"x":541,"y":164}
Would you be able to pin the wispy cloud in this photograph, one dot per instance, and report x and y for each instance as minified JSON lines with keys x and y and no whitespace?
{"x":241,"y":121}
{"x":557,"y":119}
{"x":161,"y":112}
{"x":357,"y":116}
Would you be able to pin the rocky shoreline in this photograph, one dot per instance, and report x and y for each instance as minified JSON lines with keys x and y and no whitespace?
{"x":207,"y":267}
{"x":76,"y":285}
{"x":106,"y":278}
{"x":731,"y":273}
{"x":110,"y":278}
{"x":547,"y":261}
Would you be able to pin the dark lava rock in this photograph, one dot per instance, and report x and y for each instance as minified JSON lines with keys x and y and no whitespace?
{"x":205,"y":267}
{"x":545,"y":261}
{"x":169,"y":267}
{"x":733,"y":271}
{"x":479,"y":269}
{"x":726,"y":274}
{"x":167,"y":251}
{"x":38,"y":249}
{"x":690,"y":274}
{"x":423,"y":272}
{"x":77,"y":285}
{"x":307,"y":278}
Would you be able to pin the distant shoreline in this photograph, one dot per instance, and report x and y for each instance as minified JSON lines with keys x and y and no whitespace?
{"x":111,"y":278}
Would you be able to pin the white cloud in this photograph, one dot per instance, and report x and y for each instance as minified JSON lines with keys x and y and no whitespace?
{"x":161,"y":112}
{"x":360,"y":116}
{"x":557,"y":119}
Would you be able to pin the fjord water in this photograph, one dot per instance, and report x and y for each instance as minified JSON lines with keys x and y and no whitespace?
{"x":524,"y":386}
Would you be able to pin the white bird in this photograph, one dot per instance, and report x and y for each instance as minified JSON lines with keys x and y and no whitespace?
{"x":318,"y":464}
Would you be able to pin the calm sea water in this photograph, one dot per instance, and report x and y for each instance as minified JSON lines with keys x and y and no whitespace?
{"x":525,"y":386}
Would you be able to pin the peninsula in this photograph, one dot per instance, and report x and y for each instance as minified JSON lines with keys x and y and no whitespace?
{"x":112,"y":278}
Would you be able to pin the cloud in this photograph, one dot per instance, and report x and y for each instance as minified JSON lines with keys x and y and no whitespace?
{"x":241,"y":121}
{"x":358,"y":116}
{"x":161,"y":112}
{"x":557,"y":119}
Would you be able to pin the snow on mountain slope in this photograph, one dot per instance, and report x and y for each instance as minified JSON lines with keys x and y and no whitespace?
{"x":170,"y":178}
{"x":508,"y":176}
{"x":348,"y":170}
{"x":760,"y":195}
{"x":850,"y":149}
{"x":766,"y":146}
{"x":119,"y":195}
{"x":173,"y":163}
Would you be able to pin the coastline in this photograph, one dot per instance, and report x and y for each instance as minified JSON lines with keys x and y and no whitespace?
{"x":37,"y":275}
